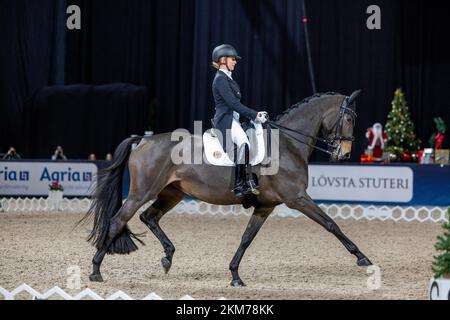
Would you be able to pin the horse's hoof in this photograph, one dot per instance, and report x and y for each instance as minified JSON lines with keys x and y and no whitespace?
{"x":237,"y":283}
{"x":364,"y":262}
{"x":96,"y":277}
{"x":166,"y":264}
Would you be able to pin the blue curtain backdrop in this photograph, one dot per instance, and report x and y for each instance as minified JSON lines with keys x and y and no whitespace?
{"x":165,"y":46}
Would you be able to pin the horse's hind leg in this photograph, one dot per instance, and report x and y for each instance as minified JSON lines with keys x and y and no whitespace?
{"x":167,"y":199}
{"x":256,"y":221}
{"x":307,"y":206}
{"x":118,"y":222}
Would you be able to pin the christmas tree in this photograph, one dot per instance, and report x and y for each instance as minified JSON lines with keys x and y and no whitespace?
{"x":402,"y":141}
{"x":441,"y":264}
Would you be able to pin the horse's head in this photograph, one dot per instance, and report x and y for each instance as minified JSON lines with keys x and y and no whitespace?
{"x":337,"y":126}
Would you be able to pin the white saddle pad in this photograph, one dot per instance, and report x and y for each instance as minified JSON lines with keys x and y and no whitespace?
{"x":215,"y":155}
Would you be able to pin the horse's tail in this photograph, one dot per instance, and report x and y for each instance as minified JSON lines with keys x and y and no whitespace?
{"x":106,"y":202}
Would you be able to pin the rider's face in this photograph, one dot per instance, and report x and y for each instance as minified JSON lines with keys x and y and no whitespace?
{"x":231,"y":62}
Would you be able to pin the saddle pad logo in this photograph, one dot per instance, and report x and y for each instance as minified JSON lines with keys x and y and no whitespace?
{"x":217,"y":154}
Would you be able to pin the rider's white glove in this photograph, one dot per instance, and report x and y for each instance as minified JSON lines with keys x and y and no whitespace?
{"x":262,"y":117}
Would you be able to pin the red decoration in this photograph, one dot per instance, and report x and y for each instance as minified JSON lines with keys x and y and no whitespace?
{"x":366,"y":158}
{"x":406,"y":157}
{"x":55,"y":186}
{"x":363,"y":158}
{"x":439,"y":138}
{"x":419,"y":156}
{"x":305,"y":20}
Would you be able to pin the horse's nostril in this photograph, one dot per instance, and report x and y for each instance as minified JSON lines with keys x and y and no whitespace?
{"x":345,"y":156}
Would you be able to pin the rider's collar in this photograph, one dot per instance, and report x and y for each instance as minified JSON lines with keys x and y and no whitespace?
{"x":228,"y":73}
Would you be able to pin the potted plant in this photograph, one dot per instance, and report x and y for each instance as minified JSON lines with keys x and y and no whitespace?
{"x":440,"y":284}
{"x":55,"y":195}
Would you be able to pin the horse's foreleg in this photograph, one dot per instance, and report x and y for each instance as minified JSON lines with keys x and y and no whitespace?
{"x":307,"y":206}
{"x":256,"y":221}
{"x":167,"y":199}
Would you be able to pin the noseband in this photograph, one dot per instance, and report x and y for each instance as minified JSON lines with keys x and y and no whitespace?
{"x":336,"y":136}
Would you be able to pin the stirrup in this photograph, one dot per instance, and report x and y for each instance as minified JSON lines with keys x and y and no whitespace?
{"x":252,"y":187}
{"x":238,"y":190}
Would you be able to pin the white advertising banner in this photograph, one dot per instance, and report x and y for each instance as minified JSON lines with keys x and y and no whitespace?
{"x":361,"y":183}
{"x":34,"y":178}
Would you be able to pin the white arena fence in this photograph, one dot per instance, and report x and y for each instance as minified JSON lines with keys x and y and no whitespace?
{"x":87,"y":294}
{"x":192,"y":207}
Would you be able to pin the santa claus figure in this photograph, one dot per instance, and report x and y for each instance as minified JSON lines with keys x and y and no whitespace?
{"x":377,"y":139}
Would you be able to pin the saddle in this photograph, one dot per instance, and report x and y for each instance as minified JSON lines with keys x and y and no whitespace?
{"x":216,"y":156}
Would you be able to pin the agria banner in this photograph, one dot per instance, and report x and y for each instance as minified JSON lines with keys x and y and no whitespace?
{"x":19,"y":178}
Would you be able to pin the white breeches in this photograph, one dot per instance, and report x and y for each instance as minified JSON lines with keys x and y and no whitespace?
{"x":239,"y":137}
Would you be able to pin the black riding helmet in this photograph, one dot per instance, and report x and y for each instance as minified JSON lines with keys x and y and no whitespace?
{"x":224,"y":50}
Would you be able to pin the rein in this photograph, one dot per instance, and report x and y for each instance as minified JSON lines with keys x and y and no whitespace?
{"x":285,"y":129}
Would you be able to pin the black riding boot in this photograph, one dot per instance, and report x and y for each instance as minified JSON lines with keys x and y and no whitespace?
{"x":250,"y":184}
{"x":239,"y":179}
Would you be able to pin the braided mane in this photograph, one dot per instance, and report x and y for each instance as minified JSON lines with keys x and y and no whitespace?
{"x":304,"y":101}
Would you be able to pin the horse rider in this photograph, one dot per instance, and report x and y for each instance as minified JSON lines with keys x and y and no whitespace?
{"x":228,"y":106}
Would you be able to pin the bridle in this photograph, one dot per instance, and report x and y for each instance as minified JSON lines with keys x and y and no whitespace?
{"x":333,"y":139}
{"x":344,"y":109}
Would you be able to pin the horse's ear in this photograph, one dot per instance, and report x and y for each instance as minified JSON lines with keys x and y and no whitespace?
{"x":354,"y":96}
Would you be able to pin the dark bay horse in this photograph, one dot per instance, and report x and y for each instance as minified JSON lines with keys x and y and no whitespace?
{"x":153,"y":176}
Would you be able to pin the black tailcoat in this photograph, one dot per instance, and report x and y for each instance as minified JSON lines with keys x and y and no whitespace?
{"x":227,"y":98}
